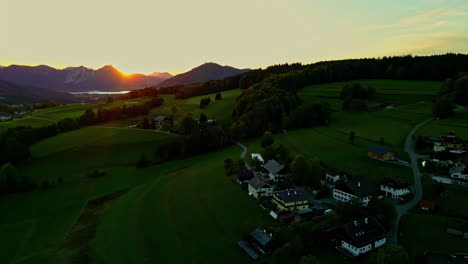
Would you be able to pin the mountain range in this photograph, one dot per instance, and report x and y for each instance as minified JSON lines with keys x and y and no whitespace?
{"x":11,"y":93}
{"x":108,"y":78}
{"x":205,"y":72}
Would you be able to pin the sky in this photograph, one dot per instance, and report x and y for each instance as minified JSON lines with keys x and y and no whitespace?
{"x":147,"y":36}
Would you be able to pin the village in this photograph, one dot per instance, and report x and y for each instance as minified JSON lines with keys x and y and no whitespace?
{"x":268,"y":181}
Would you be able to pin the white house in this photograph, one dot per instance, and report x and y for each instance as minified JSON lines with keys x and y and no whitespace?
{"x":361,"y":236}
{"x":361,"y":189}
{"x":460,"y":177}
{"x":275,"y":171}
{"x":394,"y":189}
{"x":259,"y":188}
{"x":4,"y":116}
{"x":333,"y":175}
{"x":257,"y":156}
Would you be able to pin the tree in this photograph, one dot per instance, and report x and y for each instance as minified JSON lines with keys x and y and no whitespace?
{"x":174,"y":109}
{"x":382,"y":141}
{"x":309,"y":259}
{"x":186,"y":125}
{"x":255,"y":164}
{"x":352,"y":135}
{"x":9,"y":176}
{"x":317,"y":173}
{"x":218,"y":96}
{"x":267,"y":139}
{"x":142,"y":162}
{"x":443,"y":108}
{"x":282,"y":154}
{"x":88,"y":118}
{"x":299,"y":170}
{"x":228,"y":166}
{"x":110,"y":99}
{"x":145,"y":124}
{"x":203,"y":118}
{"x":67,"y":124}
{"x":390,"y":254}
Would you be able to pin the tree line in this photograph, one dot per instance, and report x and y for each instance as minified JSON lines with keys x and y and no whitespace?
{"x":453,"y":91}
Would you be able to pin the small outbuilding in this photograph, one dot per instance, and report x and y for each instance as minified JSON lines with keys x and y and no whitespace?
{"x":380,"y":153}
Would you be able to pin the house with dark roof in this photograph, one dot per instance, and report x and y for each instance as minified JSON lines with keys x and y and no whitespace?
{"x":244,"y":175}
{"x":380,"y":153}
{"x":360,"y":188}
{"x":161,"y":120}
{"x":361,"y":236}
{"x":259,"y":242}
{"x":5,"y":116}
{"x":291,"y":200}
{"x":449,"y":142}
{"x":259,"y":188}
{"x":333,"y":175}
{"x":394,"y":189}
{"x":275,"y":171}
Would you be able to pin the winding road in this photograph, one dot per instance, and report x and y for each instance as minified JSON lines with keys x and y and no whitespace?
{"x":417,"y":189}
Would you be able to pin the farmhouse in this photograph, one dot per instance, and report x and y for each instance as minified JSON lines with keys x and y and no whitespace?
{"x":333,"y":175}
{"x":259,"y":188}
{"x":20,"y":111}
{"x":291,"y":200}
{"x":426,"y":205}
{"x":380,"y":153}
{"x":4,"y":116}
{"x":257,"y":156}
{"x":449,"y":142}
{"x":361,"y":236}
{"x":394,"y":189}
{"x":361,"y":189}
{"x":259,"y":242}
{"x":161,"y":120}
{"x":275,"y":171}
{"x":244,"y":175}
{"x":211,"y":120}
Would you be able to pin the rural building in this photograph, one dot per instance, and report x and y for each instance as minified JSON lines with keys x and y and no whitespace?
{"x":259,"y":188}
{"x":333,"y":175}
{"x":361,"y":236}
{"x":244,"y":175}
{"x":211,"y":120}
{"x":20,"y":110}
{"x":449,"y":142}
{"x":361,"y":189}
{"x":5,"y":116}
{"x":460,"y":177}
{"x":257,"y":156}
{"x":161,"y":120}
{"x":380,"y":153}
{"x":275,"y":171}
{"x":291,"y":200}
{"x":259,"y":242}
{"x":394,"y":189}
{"x":426,"y":205}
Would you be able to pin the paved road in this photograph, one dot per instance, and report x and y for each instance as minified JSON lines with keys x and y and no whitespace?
{"x":417,"y":189}
{"x":244,"y":152}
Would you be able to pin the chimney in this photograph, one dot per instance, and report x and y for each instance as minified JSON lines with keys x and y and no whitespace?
{"x":359,"y":184}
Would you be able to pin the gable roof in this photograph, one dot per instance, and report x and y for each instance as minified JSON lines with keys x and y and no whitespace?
{"x":395,"y":184}
{"x":335,"y":172}
{"x":258,"y":156}
{"x":160,"y":118}
{"x":273,"y":167}
{"x":262,"y":236}
{"x":360,"y":187}
{"x":362,"y":232}
{"x":289,"y":196}
{"x":244,"y":174}
{"x":378,"y":150}
{"x":258,"y":183}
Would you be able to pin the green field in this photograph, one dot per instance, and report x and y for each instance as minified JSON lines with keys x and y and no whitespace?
{"x":422,"y":233}
{"x":441,"y":127}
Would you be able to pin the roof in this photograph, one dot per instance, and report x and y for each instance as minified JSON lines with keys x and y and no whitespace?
{"x":362,"y":232}
{"x":360,"y":187}
{"x":427,"y":204}
{"x":262,"y":236}
{"x":244,"y":175}
{"x":160,"y":118}
{"x":378,"y":150}
{"x":5,"y":114}
{"x":258,"y":156}
{"x":258,"y":183}
{"x":335,"y":172}
{"x":289,"y":196}
{"x":395,"y":184}
{"x":273,"y":167}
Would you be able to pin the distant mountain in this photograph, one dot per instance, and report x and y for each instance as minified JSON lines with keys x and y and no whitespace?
{"x":11,"y":93}
{"x":162,"y":75}
{"x":77,"y":79}
{"x":202,"y":73}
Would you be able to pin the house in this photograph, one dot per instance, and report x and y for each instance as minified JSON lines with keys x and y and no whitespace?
{"x":259,"y":188}
{"x":161,"y":120}
{"x":380,"y":153}
{"x":445,"y":258}
{"x":449,"y":142}
{"x":275,"y":171}
{"x":257,"y":156}
{"x":394,"y":189}
{"x":361,"y":189}
{"x":426,"y":205}
{"x":361,"y":236}
{"x":5,"y":116}
{"x":291,"y":200}
{"x":333,"y":175}
{"x":211,"y":120}
{"x":20,"y":110}
{"x":244,"y":175}
{"x":259,"y":242}
{"x":460,"y":177}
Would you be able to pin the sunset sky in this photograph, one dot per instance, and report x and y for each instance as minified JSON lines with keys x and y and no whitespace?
{"x":154,"y":35}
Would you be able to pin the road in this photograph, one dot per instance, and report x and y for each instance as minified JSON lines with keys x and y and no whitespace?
{"x":244,"y":152}
{"x":417,"y":189}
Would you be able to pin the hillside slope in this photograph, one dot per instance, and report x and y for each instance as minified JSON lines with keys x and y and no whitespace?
{"x":11,"y":93}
